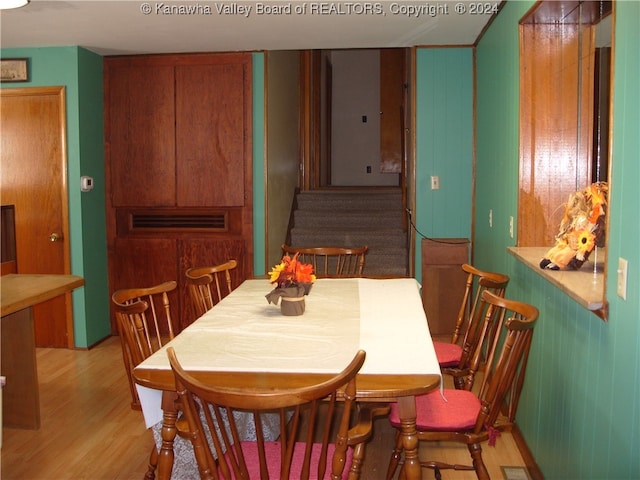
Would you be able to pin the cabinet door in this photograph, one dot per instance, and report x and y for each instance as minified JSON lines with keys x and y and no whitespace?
{"x":144,"y":262}
{"x":213,"y":129}
{"x":140,"y":139}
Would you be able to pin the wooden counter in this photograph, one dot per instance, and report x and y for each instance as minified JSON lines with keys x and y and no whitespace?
{"x":18,"y":293}
{"x":585,"y":286}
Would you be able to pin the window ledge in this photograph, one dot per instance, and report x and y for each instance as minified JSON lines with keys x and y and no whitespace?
{"x":585,"y":286}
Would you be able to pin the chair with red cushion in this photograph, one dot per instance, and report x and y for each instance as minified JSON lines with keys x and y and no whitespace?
{"x":473,"y":418}
{"x":455,"y":357}
{"x":316,"y":437}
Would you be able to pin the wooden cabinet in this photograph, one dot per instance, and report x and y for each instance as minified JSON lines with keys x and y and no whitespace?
{"x":443,"y":281}
{"x":178,"y":168}
{"x":178,"y":129}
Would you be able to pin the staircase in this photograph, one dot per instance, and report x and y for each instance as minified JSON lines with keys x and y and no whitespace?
{"x":354,"y":218}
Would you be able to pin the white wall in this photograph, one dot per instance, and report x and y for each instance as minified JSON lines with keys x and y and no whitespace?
{"x":355,"y":144}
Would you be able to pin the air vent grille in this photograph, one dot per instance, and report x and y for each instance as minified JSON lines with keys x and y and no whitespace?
{"x":172,"y":221}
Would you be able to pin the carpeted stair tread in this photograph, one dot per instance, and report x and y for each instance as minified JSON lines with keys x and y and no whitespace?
{"x":355,"y":218}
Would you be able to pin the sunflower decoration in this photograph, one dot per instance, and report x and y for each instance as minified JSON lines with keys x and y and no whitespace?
{"x":291,"y":272}
{"x":292,"y":280}
{"x":581,"y":230}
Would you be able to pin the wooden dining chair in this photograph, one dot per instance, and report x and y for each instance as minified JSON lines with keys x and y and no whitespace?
{"x":455,"y":357}
{"x":316,"y":438}
{"x":472,"y":418}
{"x":144,"y":323}
{"x":331,"y":262}
{"x":204,"y":282}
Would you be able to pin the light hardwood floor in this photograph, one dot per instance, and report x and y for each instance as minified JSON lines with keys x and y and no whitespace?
{"x":89,"y":430}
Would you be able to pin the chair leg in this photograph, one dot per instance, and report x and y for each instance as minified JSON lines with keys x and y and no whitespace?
{"x":458,"y":382}
{"x":478,"y":464}
{"x":153,"y":463}
{"x":356,"y":463}
{"x":395,"y":457}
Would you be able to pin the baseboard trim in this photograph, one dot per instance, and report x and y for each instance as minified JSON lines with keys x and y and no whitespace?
{"x":527,"y":456}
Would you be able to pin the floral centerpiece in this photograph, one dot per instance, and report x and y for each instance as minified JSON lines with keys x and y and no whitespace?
{"x":581,"y":230}
{"x":292,"y":280}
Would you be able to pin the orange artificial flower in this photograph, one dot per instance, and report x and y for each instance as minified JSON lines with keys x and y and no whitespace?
{"x":290,"y":272}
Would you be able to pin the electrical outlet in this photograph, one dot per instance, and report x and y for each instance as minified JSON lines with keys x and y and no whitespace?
{"x":623,"y":267}
{"x":511,"y":226}
{"x":491,"y":218}
{"x":435,"y":182}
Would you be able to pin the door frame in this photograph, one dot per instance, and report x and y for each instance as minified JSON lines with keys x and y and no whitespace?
{"x":60,"y":93}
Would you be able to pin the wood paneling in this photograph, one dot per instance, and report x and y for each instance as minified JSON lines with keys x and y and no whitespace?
{"x":139,"y":134}
{"x":211,"y":126}
{"x":556,"y":125}
{"x":179,"y":145}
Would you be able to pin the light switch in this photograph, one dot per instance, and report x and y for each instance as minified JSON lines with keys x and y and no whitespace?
{"x":623,"y":267}
{"x":435,"y":182}
{"x":86,"y":183}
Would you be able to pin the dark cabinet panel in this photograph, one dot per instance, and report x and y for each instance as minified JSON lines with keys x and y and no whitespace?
{"x":140,"y":135}
{"x":211,"y":124}
{"x":144,"y":262}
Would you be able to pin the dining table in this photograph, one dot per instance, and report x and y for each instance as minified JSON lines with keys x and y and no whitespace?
{"x":246,"y":342}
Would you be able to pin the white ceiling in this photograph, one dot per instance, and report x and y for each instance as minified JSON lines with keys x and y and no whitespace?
{"x":121,"y":27}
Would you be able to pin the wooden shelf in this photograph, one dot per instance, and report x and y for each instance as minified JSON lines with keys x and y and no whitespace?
{"x":585,"y":286}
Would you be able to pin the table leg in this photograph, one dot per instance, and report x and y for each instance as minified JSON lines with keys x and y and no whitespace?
{"x":21,"y":397}
{"x":407,"y":413}
{"x":168,"y":434}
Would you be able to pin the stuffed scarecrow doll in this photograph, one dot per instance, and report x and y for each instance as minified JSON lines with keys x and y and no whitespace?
{"x":581,"y":230}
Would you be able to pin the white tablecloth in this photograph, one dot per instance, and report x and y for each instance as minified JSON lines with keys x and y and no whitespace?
{"x":244,"y":332}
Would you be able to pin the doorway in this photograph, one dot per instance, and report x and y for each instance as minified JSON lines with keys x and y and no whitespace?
{"x":356,"y":115}
{"x":33,"y":164}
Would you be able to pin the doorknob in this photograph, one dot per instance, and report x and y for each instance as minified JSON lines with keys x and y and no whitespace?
{"x":55,"y":237}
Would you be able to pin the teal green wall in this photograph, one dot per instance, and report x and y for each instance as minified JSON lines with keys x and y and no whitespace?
{"x":80,"y":72}
{"x":259,"y":221}
{"x":444,"y":144}
{"x":580,"y":411}
{"x":93,"y":226}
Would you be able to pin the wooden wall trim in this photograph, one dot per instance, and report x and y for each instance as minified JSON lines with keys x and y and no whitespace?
{"x":527,"y":456}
